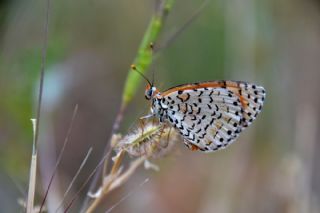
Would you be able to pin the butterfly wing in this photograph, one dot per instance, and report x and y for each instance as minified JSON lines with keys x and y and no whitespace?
{"x":211,"y":115}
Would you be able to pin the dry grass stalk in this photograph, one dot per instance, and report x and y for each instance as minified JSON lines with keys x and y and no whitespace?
{"x":33,"y":172}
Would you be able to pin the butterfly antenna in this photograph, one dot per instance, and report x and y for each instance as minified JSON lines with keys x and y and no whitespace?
{"x":133,"y":67}
{"x":151,"y":46}
{"x":152,"y":77}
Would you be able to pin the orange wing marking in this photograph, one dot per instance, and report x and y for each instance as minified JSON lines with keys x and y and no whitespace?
{"x":194,"y":147}
{"x":234,"y":86}
{"x":212,"y":84}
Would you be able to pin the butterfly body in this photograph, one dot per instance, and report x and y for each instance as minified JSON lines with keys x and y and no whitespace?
{"x":209,"y":115}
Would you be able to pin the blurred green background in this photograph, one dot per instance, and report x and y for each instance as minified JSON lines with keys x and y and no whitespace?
{"x":273,"y":167}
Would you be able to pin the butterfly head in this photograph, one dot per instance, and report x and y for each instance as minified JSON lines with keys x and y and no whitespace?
{"x":150,"y":92}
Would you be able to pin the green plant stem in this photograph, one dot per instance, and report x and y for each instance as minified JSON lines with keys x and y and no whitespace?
{"x":144,"y":58}
{"x":142,"y":61}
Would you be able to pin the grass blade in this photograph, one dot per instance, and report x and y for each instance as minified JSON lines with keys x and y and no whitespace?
{"x":33,"y":171}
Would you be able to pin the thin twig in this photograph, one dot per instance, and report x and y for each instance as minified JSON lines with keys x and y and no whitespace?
{"x":74,"y":178}
{"x":106,"y":185}
{"x":115,"y":128}
{"x":66,"y":140}
{"x":125,"y":176}
{"x":107,"y":153}
{"x":115,"y":180}
{"x":85,"y":183}
{"x":126,"y":196}
{"x":178,"y":32}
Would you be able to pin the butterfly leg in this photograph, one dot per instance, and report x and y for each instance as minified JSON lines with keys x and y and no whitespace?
{"x":146,"y":116}
{"x":142,"y":125}
{"x":168,"y":138}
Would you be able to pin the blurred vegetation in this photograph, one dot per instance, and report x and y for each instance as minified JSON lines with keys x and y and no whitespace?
{"x":273,"y":167}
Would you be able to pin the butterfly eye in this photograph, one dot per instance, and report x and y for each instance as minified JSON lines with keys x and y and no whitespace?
{"x":149,"y":93}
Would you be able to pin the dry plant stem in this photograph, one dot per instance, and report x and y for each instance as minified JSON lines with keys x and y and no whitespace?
{"x":60,"y":155}
{"x":74,"y":179}
{"x":33,"y":168}
{"x":126,"y":196}
{"x":115,"y":179}
{"x":115,"y":128}
{"x":107,"y":153}
{"x":33,"y":171}
{"x":106,"y":185}
{"x":85,"y":183}
{"x":117,"y":163}
{"x":125,"y":176}
{"x":32,"y":183}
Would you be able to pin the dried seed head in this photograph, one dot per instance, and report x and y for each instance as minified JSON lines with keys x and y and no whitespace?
{"x":115,"y":139}
{"x":150,"y":140}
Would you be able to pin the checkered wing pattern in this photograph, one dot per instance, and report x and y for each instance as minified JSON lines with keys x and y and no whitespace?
{"x":211,"y":117}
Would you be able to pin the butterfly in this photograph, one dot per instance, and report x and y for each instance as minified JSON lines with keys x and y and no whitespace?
{"x":209,"y":115}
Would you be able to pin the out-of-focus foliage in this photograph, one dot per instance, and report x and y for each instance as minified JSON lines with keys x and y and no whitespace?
{"x":273,"y":167}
